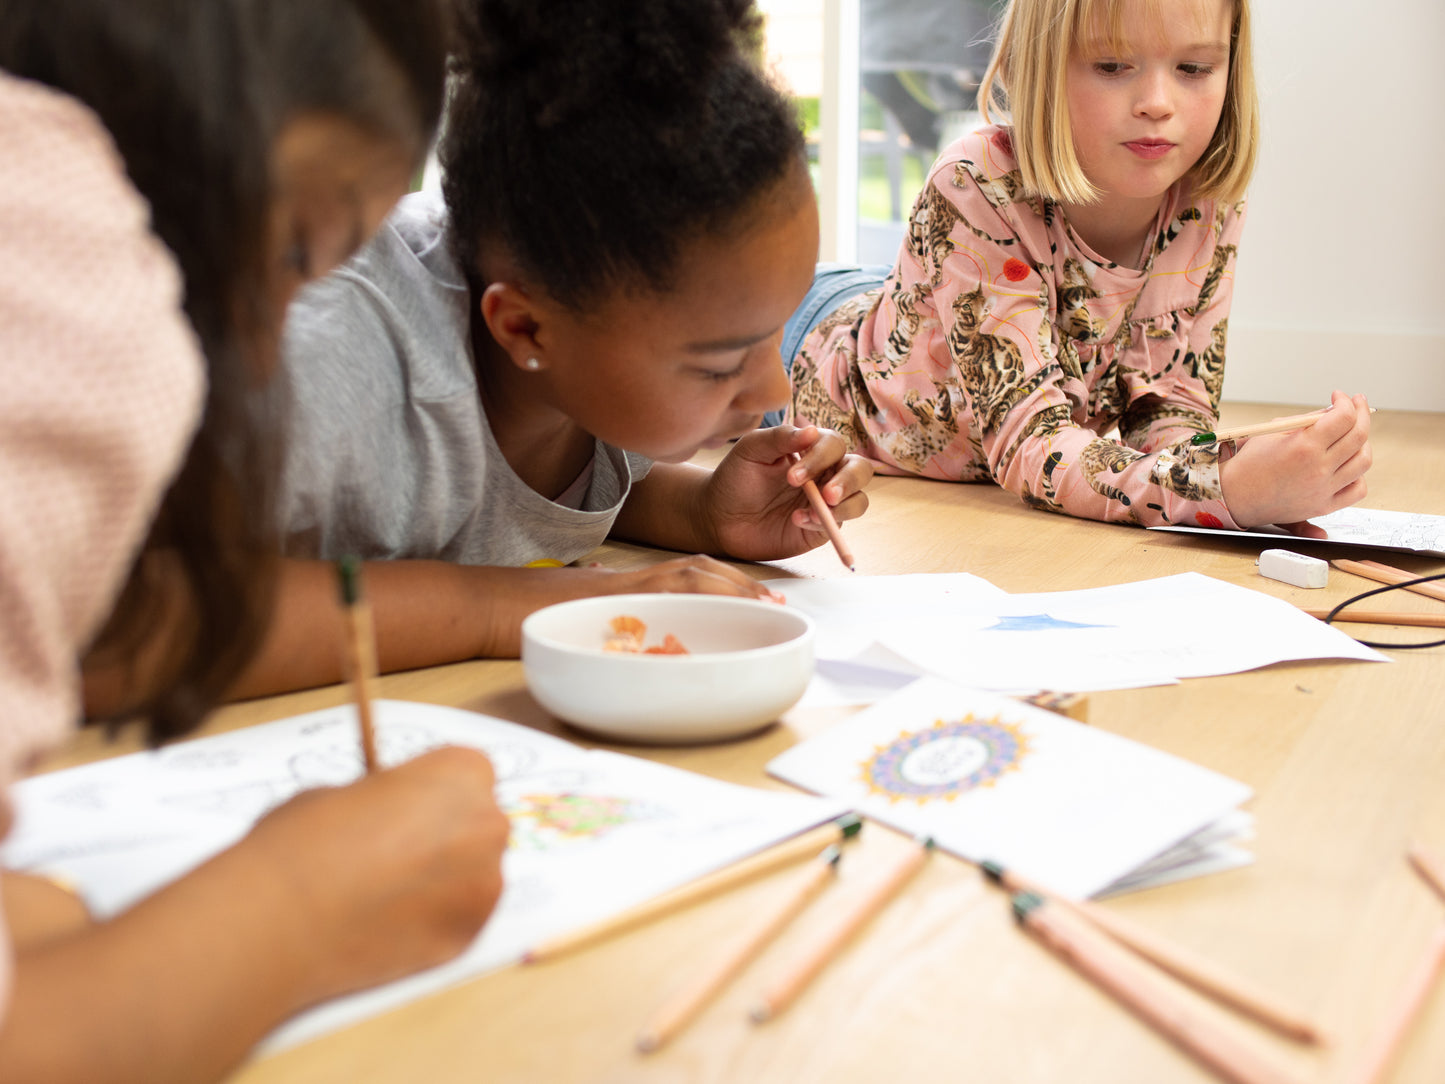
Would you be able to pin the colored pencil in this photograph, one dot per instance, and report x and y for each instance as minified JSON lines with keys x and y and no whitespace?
{"x":1204,"y":975}
{"x":1279,"y":425}
{"x":832,"y":935}
{"x":1377,"y":1057}
{"x":1373,"y":570}
{"x":360,"y":653}
{"x":1382,"y":617}
{"x":675,"y":1014}
{"x":1143,"y":991}
{"x":793,"y":850}
{"x":1431,"y":867}
{"x":825,"y":516}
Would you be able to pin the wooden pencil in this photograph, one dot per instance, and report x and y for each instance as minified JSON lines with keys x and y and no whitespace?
{"x":1204,"y":975}
{"x":825,"y":516}
{"x":1279,"y":425}
{"x":675,"y":1013}
{"x":1382,"y":617}
{"x":1431,"y":867}
{"x":360,"y":654}
{"x":1386,"y":1041}
{"x":794,"y":850}
{"x":1143,"y":991}
{"x":833,"y":934}
{"x":1374,"y":570}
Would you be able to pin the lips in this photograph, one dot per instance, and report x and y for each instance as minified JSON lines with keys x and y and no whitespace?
{"x":1150,"y":148}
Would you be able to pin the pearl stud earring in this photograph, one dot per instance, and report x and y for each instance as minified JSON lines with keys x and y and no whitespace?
{"x":532,"y":364}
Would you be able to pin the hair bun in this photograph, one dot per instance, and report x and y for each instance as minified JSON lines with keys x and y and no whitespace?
{"x":563,"y":57}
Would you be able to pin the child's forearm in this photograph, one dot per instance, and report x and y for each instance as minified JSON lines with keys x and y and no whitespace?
{"x":178,"y":989}
{"x":427,"y":613}
{"x":665,"y":510}
{"x":39,"y":911}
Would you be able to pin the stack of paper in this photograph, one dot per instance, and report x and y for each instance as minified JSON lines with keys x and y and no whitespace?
{"x":593,"y":832}
{"x":1373,"y":527}
{"x":876,"y":634}
{"x":1076,"y":809}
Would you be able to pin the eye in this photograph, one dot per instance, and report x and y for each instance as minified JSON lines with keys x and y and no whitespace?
{"x":1109,"y":67}
{"x":1197,"y":71}
{"x":722,"y":377}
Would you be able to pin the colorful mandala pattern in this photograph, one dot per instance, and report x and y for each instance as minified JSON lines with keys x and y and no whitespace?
{"x":945,"y":760}
{"x":545,"y":821}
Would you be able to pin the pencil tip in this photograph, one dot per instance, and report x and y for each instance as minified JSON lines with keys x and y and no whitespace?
{"x":992,"y":870}
{"x":850,"y":824}
{"x":760,"y":1013}
{"x":647,"y":1043}
{"x":1024,"y":903}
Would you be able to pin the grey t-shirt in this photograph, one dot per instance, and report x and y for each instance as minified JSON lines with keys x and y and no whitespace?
{"x":389,"y":452}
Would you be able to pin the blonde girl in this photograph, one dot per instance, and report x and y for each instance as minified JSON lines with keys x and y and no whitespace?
{"x":1056,"y":318}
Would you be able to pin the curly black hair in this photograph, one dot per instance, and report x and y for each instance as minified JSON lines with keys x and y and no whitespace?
{"x":592,"y":138}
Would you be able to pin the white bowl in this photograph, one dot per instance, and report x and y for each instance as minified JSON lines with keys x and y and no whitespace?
{"x":747,"y":663}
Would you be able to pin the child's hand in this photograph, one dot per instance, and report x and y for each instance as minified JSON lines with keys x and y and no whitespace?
{"x":697,"y":575}
{"x":1285,"y":478}
{"x":392,"y":874}
{"x":755,"y":500}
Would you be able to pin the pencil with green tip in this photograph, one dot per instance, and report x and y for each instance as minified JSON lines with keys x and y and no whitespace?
{"x":1204,"y":975}
{"x":1279,"y":425}
{"x":835,"y":933}
{"x":1143,"y":991}
{"x":793,"y":850}
{"x":360,"y":653}
{"x":678,"y":1011}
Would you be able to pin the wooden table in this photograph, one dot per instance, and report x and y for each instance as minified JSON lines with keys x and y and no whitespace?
{"x":1347,"y":761}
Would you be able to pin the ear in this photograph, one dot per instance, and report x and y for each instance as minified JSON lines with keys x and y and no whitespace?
{"x":513,"y":317}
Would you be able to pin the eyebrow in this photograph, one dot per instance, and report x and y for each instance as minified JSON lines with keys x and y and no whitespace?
{"x":721,"y":346}
{"x":1101,"y":46}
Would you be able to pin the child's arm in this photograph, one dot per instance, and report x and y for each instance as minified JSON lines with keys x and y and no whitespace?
{"x":752,"y":507}
{"x":1285,"y":478}
{"x":37,"y":910}
{"x":427,"y":613}
{"x":333,"y":892}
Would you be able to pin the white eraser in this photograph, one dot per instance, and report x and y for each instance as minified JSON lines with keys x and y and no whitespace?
{"x":1294,"y":568}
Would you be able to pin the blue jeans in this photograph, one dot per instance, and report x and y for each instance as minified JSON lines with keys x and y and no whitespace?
{"x":833,"y":284}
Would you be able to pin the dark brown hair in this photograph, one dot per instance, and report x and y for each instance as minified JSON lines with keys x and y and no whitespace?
{"x":194,"y":92}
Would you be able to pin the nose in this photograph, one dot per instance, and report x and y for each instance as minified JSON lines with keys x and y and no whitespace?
{"x":768,"y":387}
{"x":1155,"y":96}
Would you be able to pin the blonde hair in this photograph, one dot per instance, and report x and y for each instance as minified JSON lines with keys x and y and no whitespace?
{"x":1028,"y":78}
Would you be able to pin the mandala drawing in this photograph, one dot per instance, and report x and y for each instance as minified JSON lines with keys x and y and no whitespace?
{"x":947,"y":759}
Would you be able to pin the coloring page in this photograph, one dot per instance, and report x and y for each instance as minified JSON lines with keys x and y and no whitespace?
{"x":1414,"y":531}
{"x":593,"y":832}
{"x":1067,"y":805}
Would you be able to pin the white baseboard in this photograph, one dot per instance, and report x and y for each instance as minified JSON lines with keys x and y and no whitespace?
{"x":1396,"y":371}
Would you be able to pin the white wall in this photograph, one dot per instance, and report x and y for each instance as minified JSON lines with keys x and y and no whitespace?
{"x":1341,"y":273}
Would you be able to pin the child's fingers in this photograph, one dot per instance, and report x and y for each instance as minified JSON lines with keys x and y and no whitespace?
{"x":850,"y":478}
{"x":1305,"y":529}
{"x":696,"y":575}
{"x":851,"y":508}
{"x":823,"y":448}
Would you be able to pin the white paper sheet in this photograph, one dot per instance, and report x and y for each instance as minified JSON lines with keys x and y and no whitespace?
{"x":1070,"y":806}
{"x":593,"y":832}
{"x":1151,"y":632}
{"x":1413,"y":531}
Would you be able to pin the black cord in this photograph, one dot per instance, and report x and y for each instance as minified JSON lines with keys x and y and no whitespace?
{"x":1401,"y":586}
